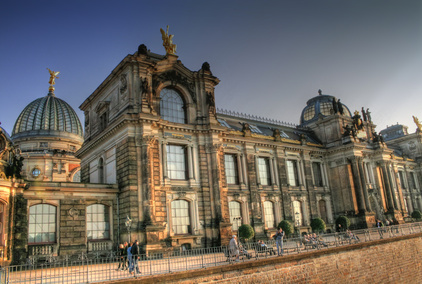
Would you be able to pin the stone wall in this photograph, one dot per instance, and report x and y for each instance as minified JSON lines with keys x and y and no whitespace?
{"x":394,"y":260}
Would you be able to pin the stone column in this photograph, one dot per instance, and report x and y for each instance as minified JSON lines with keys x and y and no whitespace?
{"x":395,"y":187}
{"x":190,"y":163}
{"x":364,"y":189}
{"x":258,"y":178}
{"x":270,"y":162}
{"x":358,"y":186}
{"x":387,"y":185}
{"x":273,"y":160}
{"x":239,"y":169}
{"x":412,"y":195}
{"x":164,"y":156}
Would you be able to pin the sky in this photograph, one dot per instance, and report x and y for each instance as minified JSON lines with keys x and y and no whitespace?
{"x":271,"y":56}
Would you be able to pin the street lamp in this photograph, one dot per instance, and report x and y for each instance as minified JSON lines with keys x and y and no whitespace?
{"x":297,"y":222}
{"x":128,"y":224}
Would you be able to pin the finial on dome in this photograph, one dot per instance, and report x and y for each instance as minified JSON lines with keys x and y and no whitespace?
{"x":320,"y":92}
{"x":53,"y":76}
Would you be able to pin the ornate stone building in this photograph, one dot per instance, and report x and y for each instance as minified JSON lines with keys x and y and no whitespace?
{"x":157,"y":151}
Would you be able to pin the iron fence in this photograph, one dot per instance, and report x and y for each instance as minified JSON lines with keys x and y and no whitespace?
{"x":98,"y":269}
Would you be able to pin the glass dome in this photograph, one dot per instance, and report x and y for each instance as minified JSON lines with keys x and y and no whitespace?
{"x":320,"y":105}
{"x":47,"y":116}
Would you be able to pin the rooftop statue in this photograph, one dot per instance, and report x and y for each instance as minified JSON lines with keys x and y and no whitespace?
{"x":168,"y":42}
{"x":418,"y":124}
{"x":53,"y":76}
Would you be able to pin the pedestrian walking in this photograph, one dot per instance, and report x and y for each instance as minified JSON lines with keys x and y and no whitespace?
{"x":122,"y":252}
{"x":136,"y":254}
{"x":129,"y":258}
{"x":234,"y":248}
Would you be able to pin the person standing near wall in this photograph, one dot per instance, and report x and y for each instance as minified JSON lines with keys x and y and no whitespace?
{"x":279,"y":241}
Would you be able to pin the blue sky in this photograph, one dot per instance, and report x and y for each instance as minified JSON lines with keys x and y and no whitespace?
{"x":271,"y":56}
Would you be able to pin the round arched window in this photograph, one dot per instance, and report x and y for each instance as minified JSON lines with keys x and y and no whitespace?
{"x":172,"y":106}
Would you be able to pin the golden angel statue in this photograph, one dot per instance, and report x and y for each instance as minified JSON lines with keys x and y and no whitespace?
{"x":53,"y":76}
{"x":168,"y":41}
{"x":418,"y":124}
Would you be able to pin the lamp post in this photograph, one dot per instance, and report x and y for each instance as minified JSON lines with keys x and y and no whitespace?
{"x":128,"y":224}
{"x":297,"y":222}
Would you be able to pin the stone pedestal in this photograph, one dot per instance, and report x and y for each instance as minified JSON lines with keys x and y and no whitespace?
{"x":368,"y":218}
{"x":154,"y":233}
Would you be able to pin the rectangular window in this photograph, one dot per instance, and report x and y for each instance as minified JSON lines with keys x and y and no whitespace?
{"x":412,"y":182}
{"x":269,"y":214}
{"x":176,"y":162}
{"x":264,"y":171}
{"x":230,"y":163}
{"x":180,"y":217}
{"x":42,"y":224}
{"x":97,"y":222}
{"x":316,"y":169}
{"x":292,"y":173}
{"x":235,"y":215}
{"x":402,"y":180}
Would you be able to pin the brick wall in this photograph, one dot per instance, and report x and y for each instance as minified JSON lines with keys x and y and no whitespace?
{"x":383,"y":261}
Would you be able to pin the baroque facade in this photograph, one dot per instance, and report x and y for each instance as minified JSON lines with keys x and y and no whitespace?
{"x":156,"y":150}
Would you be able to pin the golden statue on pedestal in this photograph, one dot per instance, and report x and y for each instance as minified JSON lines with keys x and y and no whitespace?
{"x":53,"y":76}
{"x":168,"y":42}
{"x":418,"y":124}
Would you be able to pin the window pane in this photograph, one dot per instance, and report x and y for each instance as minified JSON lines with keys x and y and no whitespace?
{"x":180,"y":216}
{"x":176,"y":165}
{"x":172,"y":106}
{"x":98,"y":225}
{"x":42,"y":223}
{"x":292,"y":172}
{"x":316,"y":169}
{"x":230,"y":163}
{"x":235,"y":215}
{"x":264,"y":171}
{"x":269,"y":214}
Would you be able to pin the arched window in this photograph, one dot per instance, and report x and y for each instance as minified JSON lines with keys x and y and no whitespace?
{"x":42,"y":224}
{"x":323,"y":210}
{"x":77,"y":176}
{"x":297,"y":210}
{"x":235,"y":214}
{"x":180,"y":217}
{"x":97,"y":222}
{"x":172,"y":107}
{"x":101,"y":170}
{"x":269,"y":214}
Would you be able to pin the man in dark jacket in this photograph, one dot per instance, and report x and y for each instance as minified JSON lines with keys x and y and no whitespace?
{"x":279,"y":241}
{"x":136,"y":255}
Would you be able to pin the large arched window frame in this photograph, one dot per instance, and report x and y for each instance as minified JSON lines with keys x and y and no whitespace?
{"x":172,"y":106}
{"x":98,"y":222}
{"x":42,"y":224}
